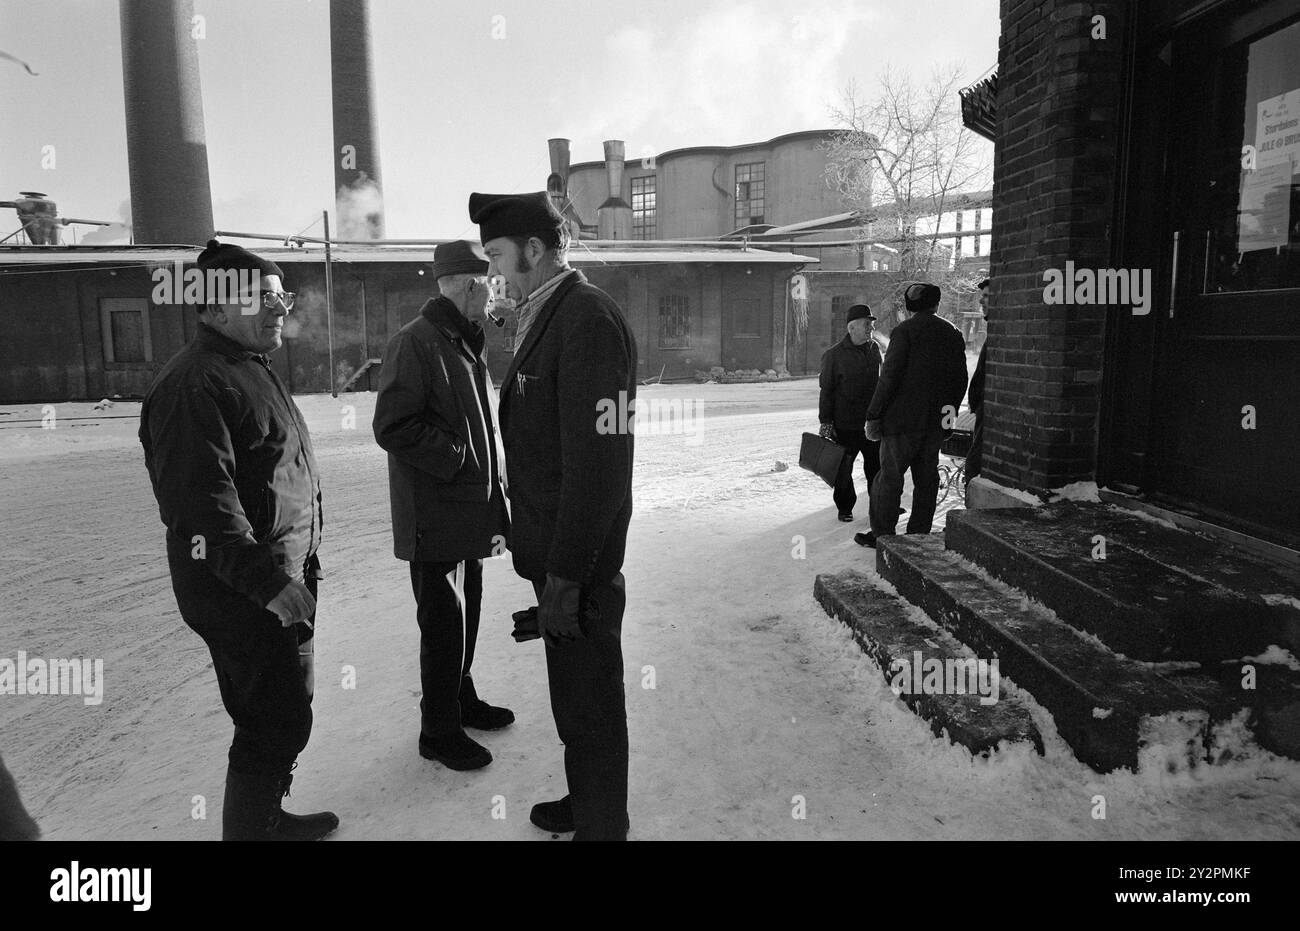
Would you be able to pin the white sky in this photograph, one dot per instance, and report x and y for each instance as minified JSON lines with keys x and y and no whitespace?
{"x":458,"y":109}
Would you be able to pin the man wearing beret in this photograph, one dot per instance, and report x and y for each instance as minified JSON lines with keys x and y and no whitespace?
{"x":849,"y":372}
{"x":433,"y":415}
{"x":233,"y":471}
{"x":922,"y":383}
{"x":570,"y":487}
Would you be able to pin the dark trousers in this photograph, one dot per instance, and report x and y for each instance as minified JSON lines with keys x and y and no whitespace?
{"x":15,"y":823}
{"x":256,"y":660}
{"x":448,"y":598}
{"x":854,"y":442}
{"x":920,"y":453}
{"x":586,"y":682}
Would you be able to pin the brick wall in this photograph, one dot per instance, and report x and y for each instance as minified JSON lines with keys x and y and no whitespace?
{"x":1059,"y":93}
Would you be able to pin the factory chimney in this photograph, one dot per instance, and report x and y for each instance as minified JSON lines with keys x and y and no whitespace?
{"x":614,"y":216}
{"x":358,"y":189}
{"x":167,"y":153}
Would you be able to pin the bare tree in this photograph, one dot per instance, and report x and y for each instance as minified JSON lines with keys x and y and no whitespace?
{"x":903,"y":160}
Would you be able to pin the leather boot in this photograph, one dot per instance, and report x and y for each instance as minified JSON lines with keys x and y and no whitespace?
{"x":251,"y":805}
{"x":300,"y":827}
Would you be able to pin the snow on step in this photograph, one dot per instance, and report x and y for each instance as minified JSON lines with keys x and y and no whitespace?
{"x":977,"y":717}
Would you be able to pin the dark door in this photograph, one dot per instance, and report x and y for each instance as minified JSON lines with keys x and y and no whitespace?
{"x":746,"y":319}
{"x":1224,"y":337}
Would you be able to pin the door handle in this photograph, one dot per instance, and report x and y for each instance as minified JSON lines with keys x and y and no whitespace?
{"x":1173,"y":275}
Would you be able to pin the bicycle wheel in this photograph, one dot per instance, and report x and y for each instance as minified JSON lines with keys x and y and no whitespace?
{"x":945,"y":483}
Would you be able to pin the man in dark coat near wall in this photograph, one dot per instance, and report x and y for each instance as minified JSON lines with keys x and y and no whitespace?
{"x":570,"y":487}
{"x":849,"y":372}
{"x":233,"y":470}
{"x":433,"y":414}
{"x":975,"y":458}
{"x":914,"y":407}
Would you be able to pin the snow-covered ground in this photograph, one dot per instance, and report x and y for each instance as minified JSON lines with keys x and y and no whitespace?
{"x":758,"y":696}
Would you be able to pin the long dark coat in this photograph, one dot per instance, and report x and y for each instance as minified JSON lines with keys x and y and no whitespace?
{"x":924,"y":372}
{"x":433,"y":415}
{"x":570,"y":476}
{"x":848,"y":379}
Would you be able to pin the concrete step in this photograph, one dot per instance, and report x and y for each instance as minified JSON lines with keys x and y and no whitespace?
{"x":1160,"y":594}
{"x":1107,"y":708}
{"x":969,"y":713}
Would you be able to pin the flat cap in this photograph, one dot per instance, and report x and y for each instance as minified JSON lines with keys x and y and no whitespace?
{"x":459,"y":257}
{"x":513,"y":214}
{"x":921,"y":297}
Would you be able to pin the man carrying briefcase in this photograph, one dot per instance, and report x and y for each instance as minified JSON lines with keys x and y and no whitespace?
{"x":849,"y":372}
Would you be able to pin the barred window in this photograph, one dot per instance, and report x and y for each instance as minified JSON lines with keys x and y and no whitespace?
{"x":643,"y":207}
{"x":674,"y":322}
{"x":749,"y":194}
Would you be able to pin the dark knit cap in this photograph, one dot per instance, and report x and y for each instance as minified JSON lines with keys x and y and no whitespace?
{"x":220,"y":255}
{"x":983,"y":284}
{"x":459,"y":258}
{"x":859,"y":312}
{"x":513,"y":214}
{"x":921,"y":297}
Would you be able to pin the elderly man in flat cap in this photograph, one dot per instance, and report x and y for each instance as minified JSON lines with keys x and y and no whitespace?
{"x":236,"y":481}
{"x":922,"y":383}
{"x":434,"y":416}
{"x":849,"y":372}
{"x":570,"y":494}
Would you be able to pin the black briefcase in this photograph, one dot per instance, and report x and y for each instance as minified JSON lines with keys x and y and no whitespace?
{"x":821,"y":456}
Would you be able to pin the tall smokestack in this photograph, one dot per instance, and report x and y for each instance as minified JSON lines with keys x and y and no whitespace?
{"x":614,"y":216}
{"x":358,"y":188}
{"x":167,"y":153}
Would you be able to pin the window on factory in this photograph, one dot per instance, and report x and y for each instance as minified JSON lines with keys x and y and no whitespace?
{"x":674,"y":322}
{"x":643,"y":207}
{"x":875,"y":265}
{"x":749,"y":194}
{"x":124,"y":322}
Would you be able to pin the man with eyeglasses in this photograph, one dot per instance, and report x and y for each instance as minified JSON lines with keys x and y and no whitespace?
{"x":232,"y":468}
{"x":434,"y":415}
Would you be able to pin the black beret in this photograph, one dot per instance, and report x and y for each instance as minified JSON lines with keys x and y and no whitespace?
{"x":983,"y":284}
{"x":920,"y":297}
{"x":859,"y":312}
{"x":513,"y":214}
{"x":222,"y":255}
{"x":458,"y":258}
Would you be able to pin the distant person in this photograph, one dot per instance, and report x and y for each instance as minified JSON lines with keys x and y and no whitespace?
{"x":434,"y":416}
{"x":233,"y":471}
{"x":15,"y":823}
{"x":975,"y":458}
{"x":921,"y":386}
{"x":849,"y":371}
{"x":570,"y":481}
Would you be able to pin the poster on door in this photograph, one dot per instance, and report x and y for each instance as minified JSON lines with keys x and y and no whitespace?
{"x":1264,"y":211}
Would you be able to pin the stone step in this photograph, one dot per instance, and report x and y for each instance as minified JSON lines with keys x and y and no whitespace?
{"x":977,"y":719}
{"x":1107,"y":708}
{"x":1160,"y":594}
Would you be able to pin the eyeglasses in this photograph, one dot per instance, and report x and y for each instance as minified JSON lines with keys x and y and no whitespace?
{"x":271,"y":298}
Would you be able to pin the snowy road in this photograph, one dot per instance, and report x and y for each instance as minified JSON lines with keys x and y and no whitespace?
{"x":758,"y":696}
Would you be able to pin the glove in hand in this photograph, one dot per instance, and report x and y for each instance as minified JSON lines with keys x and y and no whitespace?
{"x":557,"y":614}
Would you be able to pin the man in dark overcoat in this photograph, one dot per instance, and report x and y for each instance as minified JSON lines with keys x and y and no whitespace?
{"x":849,"y":372}
{"x":434,"y":416}
{"x":922,"y":383}
{"x":975,"y":458}
{"x":569,"y":468}
{"x":233,"y":470}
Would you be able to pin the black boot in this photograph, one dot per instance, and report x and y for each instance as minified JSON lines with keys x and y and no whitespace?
{"x":456,"y":751}
{"x":252,"y":812}
{"x":478,"y":714}
{"x":301,"y":827}
{"x":556,"y":817}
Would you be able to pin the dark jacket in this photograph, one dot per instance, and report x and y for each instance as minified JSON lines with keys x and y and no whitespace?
{"x":848,"y":379}
{"x":433,"y":415}
{"x":570,"y":477}
{"x":231,"y":461}
{"x":924,"y":372}
{"x":977,"y":384}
